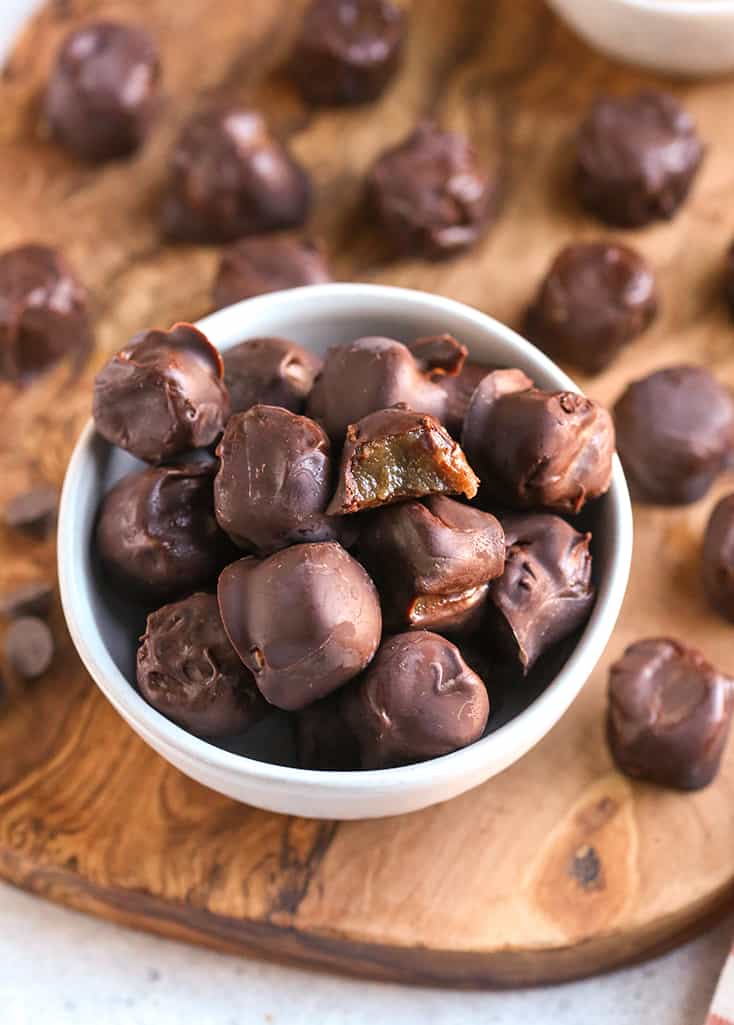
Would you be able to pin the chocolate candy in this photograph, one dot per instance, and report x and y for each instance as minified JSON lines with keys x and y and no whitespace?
{"x":230,"y":177}
{"x":675,"y":432}
{"x":458,"y":390}
{"x":274,"y":480}
{"x":323,"y":738}
{"x":430,"y":195}
{"x":33,"y":511}
{"x":103,"y":92}
{"x":432,"y":561}
{"x":419,"y":699}
{"x":669,"y":714}
{"x":188,"y":671}
{"x":366,"y":375}
{"x":595,"y":299}
{"x":304,"y":621}
{"x":29,"y":647}
{"x":440,"y":354}
{"x":32,"y":599}
{"x":162,"y":395}
{"x":271,"y":371}
{"x":348,"y":50}
{"x":718,"y":557}
{"x":254,"y":266}
{"x":44,"y":312}
{"x":545,"y":592}
{"x":636,"y":158}
{"x":394,"y":454}
{"x":157,"y":535}
{"x":535,"y":448}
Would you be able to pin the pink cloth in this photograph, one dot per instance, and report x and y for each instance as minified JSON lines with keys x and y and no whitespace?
{"x":722,"y":1008}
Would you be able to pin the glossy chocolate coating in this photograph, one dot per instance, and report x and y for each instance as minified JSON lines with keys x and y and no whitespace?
{"x":395,"y":454}
{"x":157,"y":535}
{"x":669,"y":714}
{"x":439,"y":354}
{"x":636,"y":158}
{"x":270,"y":371}
{"x":267,"y":263}
{"x":347,"y":50}
{"x":103,"y":92}
{"x":304,"y":621}
{"x":323,"y":738}
{"x":458,"y":390}
{"x":675,"y":433}
{"x":230,"y":178}
{"x":595,"y":299}
{"x":368,"y":374}
{"x":419,"y":699}
{"x":718,"y":557}
{"x":545,"y":592}
{"x":537,"y":449}
{"x":430,"y":194}
{"x":162,"y":395}
{"x":44,"y":312}
{"x":189,"y":672}
{"x":274,"y":480}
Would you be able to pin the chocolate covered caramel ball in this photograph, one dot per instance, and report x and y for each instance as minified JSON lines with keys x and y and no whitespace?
{"x":669,"y":714}
{"x":44,"y":312}
{"x":305,"y":621}
{"x":675,"y":432}
{"x":274,"y":480}
{"x":269,"y":371}
{"x":324,"y":740}
{"x":267,"y":263}
{"x":157,"y":535}
{"x":230,"y":177}
{"x":636,"y":158}
{"x":596,"y":298}
{"x":418,"y":699}
{"x":103,"y":93}
{"x":189,"y":672}
{"x":718,"y":558}
{"x":162,"y":395}
{"x":458,"y":390}
{"x":535,"y":448}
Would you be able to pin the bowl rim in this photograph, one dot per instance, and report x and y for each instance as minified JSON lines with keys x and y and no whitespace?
{"x":536,"y":720}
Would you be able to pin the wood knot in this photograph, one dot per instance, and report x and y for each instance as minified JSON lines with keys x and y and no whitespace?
{"x":585,"y":867}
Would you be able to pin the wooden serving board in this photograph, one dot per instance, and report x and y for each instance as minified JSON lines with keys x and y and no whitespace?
{"x":558,"y":868}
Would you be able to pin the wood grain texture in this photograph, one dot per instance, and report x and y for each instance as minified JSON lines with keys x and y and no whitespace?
{"x":559,"y":867}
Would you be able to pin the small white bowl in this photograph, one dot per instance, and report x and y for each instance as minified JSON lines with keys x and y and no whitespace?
{"x":685,"y":37}
{"x":104,"y":631}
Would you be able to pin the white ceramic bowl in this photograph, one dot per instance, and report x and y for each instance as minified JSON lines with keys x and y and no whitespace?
{"x":685,"y":37}
{"x":104,"y":630}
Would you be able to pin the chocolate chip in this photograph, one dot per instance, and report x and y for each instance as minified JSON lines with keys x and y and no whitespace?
{"x":34,"y":510}
{"x":29,"y":647}
{"x":32,"y":599}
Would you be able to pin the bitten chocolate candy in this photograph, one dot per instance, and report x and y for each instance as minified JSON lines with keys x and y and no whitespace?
{"x":189,"y":672}
{"x":595,"y":299}
{"x":274,"y":480}
{"x":157,"y":535}
{"x":254,"y":266}
{"x":103,"y":92}
{"x":419,"y":699}
{"x":44,"y":312}
{"x":534,"y":448}
{"x":270,"y":371}
{"x":394,"y":454}
{"x":162,"y":395}
{"x":718,"y":557}
{"x":430,"y":194}
{"x":636,"y":158}
{"x":304,"y":621}
{"x":669,"y":714}
{"x":347,"y":50}
{"x":675,"y":433}
{"x":323,"y":738}
{"x":230,"y":177}
{"x":545,"y":592}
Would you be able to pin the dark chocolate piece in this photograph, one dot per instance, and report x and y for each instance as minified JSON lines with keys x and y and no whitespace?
{"x":323,"y":738}
{"x":675,"y":433}
{"x":33,"y":511}
{"x":103,"y":93}
{"x":347,"y":50}
{"x":545,"y":592}
{"x":304,"y":621}
{"x":189,"y":672}
{"x":718,"y":557}
{"x":636,"y":158}
{"x":32,"y":599}
{"x":595,"y":299}
{"x":254,"y":266}
{"x":230,"y":177}
{"x":440,"y":354}
{"x":29,"y":647}
{"x":44,"y":312}
{"x":458,"y":390}
{"x":534,"y":448}
{"x":669,"y":714}
{"x":419,"y":699}
{"x":430,"y":194}
{"x":395,"y":454}
{"x":162,"y":395}
{"x":270,"y":371}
